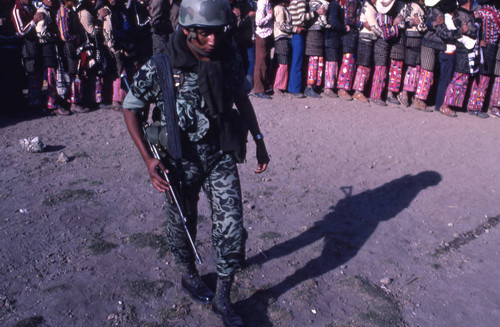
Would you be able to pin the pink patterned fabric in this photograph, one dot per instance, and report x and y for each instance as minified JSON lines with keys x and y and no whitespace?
{"x":315,"y":70}
{"x":378,"y":82}
{"x":411,"y":79}
{"x":455,"y":93}
{"x":346,"y":73}
{"x":425,"y":81}
{"x":395,"y":75}
{"x":119,"y":94}
{"x":495,"y":93}
{"x":281,"y":79}
{"x":76,"y":91}
{"x":478,"y":93}
{"x":95,"y":88}
{"x":331,"y":73}
{"x":51,"y":88}
{"x":362,"y":76}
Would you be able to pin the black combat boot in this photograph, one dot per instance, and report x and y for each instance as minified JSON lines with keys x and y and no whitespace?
{"x":195,"y":287}
{"x":222,"y":305}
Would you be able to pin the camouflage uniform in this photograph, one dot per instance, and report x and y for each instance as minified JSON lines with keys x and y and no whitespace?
{"x":204,"y":165}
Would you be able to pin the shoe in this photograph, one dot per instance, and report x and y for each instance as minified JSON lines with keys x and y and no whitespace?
{"x":403,"y":99}
{"x":279,"y":92}
{"x":445,"y":110}
{"x":479,"y":114}
{"x":103,"y":106}
{"x":263,"y":96}
{"x":420,"y":105}
{"x":299,"y":95}
{"x":378,"y":102}
{"x":344,"y":95}
{"x":495,"y":112}
{"x":329,"y":93}
{"x":77,"y":109}
{"x":196,"y":288}
{"x":116,"y":106}
{"x":61,"y":112}
{"x":392,"y":99}
{"x":222,"y":305}
{"x":360,"y":97}
{"x":309,"y":92}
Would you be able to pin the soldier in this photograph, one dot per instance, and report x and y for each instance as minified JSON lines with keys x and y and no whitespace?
{"x":204,"y":141}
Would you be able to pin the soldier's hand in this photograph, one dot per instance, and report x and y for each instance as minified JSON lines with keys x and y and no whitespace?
{"x":155,"y":167}
{"x":262,"y":157}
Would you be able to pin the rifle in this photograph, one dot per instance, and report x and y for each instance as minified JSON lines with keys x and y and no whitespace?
{"x":173,"y":195}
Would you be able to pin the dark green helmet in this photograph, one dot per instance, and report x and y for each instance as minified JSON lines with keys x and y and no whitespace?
{"x":204,"y":13}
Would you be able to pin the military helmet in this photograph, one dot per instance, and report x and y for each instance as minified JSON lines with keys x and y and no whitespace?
{"x":204,"y":13}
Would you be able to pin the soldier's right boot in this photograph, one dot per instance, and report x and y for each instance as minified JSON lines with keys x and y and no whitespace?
{"x":195,"y":287}
{"x":222,"y":305}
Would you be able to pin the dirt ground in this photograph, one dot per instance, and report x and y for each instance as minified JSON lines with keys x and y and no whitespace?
{"x":367,"y":216}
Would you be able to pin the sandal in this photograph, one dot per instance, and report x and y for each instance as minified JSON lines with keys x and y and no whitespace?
{"x":445,"y":110}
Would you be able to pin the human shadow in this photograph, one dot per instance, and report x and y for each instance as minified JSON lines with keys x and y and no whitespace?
{"x":344,"y":230}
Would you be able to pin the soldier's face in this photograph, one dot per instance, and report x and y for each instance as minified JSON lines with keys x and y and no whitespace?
{"x":208,"y":39}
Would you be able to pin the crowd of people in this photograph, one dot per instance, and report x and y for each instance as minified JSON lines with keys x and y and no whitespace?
{"x":430,"y":54}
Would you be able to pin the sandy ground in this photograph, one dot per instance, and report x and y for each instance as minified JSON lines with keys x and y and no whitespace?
{"x":367,"y":216}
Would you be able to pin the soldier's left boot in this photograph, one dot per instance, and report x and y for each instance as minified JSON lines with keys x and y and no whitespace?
{"x":195,"y":286}
{"x":222,"y":305}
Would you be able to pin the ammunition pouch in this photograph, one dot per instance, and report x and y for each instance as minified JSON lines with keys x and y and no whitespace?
{"x":157,"y":135}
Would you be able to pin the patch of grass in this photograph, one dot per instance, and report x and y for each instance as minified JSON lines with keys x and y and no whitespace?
{"x":100,"y":246}
{"x":143,"y":287}
{"x":279,"y":315}
{"x":34,"y":321}
{"x":68,"y":195}
{"x":81,"y":155}
{"x":306,"y":291}
{"x":180,"y":309}
{"x":95,"y":183}
{"x":381,"y":308}
{"x":78,"y":181}
{"x":436,"y":265}
{"x":57,"y":288}
{"x":269,"y":235}
{"x":150,"y":240}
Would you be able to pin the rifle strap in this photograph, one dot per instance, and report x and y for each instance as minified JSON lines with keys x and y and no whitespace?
{"x":164,"y":71}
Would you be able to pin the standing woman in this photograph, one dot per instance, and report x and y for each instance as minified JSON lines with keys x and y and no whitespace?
{"x":301,"y":15}
{"x":333,"y":46}
{"x":457,"y":88}
{"x":24,"y":18}
{"x":94,"y":65}
{"x":283,"y":30}
{"x":416,"y":27}
{"x":47,"y":33}
{"x":315,"y":45}
{"x":70,"y":33}
{"x":352,"y":10}
{"x":490,"y":33}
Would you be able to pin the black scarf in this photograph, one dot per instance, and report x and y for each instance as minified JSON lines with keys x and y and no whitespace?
{"x":214,"y":82}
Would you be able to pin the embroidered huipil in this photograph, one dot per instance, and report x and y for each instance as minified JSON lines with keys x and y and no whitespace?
{"x":352,"y":10}
{"x":388,"y":30}
{"x":63,"y":20}
{"x":490,"y":31}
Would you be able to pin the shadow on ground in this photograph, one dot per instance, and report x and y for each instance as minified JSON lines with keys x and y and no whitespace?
{"x":344,"y":230}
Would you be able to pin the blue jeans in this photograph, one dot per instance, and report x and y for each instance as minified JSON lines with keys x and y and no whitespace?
{"x":295,"y":79}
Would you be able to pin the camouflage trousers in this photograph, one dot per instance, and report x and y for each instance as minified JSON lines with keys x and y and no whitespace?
{"x":206,"y":167}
